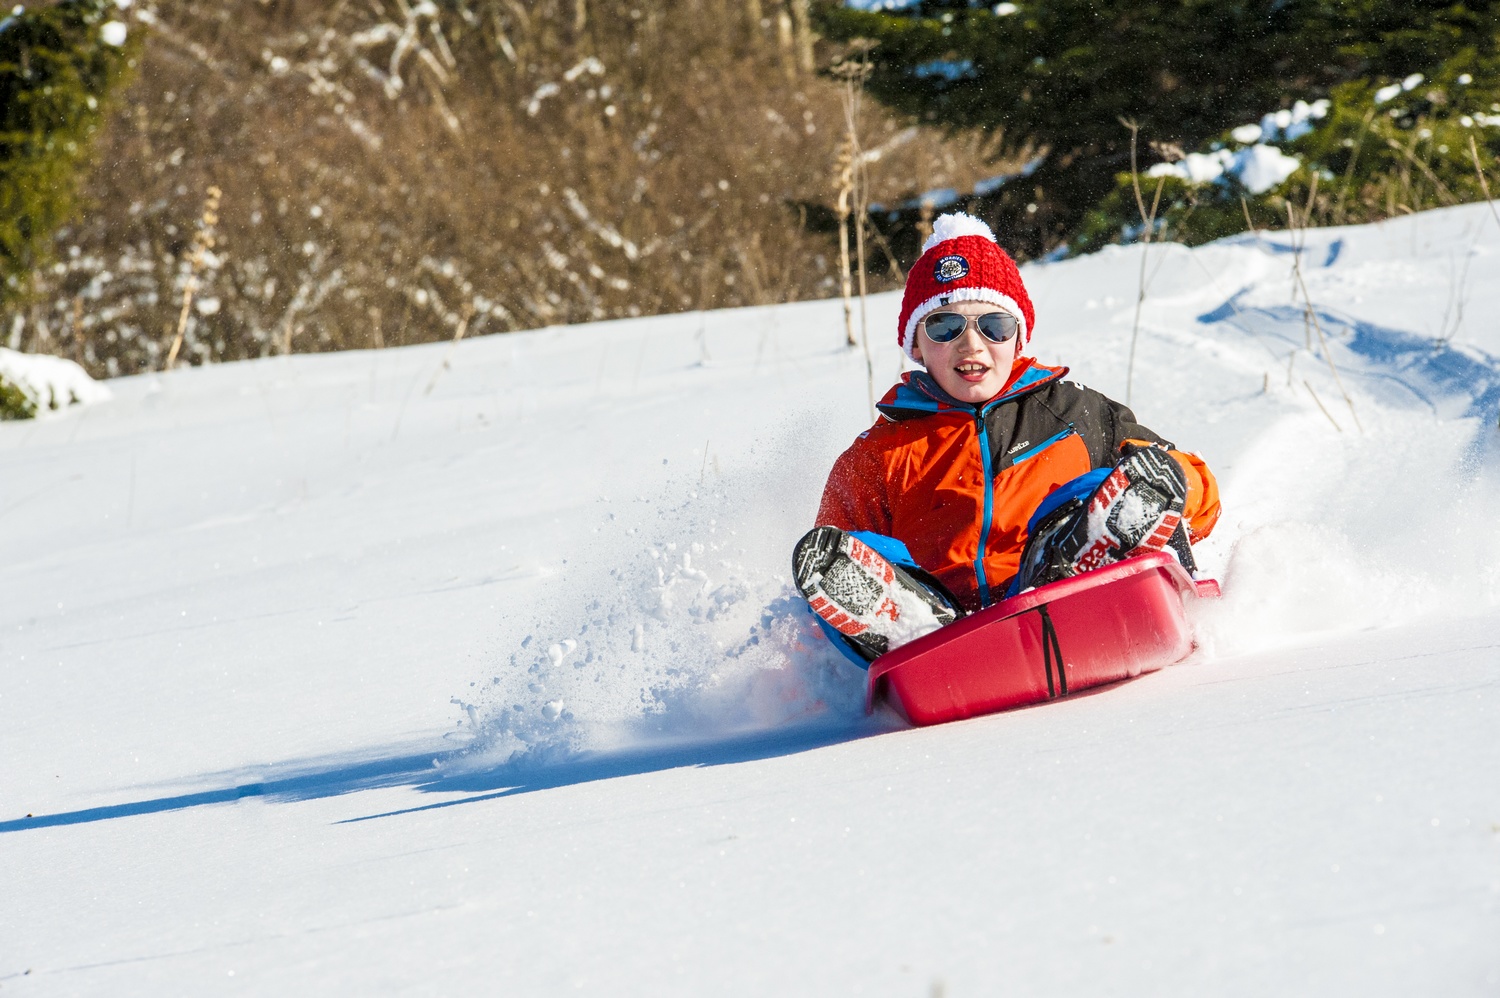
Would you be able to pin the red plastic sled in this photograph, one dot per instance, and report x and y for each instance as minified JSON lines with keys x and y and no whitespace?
{"x":1100,"y":627}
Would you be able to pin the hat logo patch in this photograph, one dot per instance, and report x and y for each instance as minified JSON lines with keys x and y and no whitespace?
{"x":950,"y":268}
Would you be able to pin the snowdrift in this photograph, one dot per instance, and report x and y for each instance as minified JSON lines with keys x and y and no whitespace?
{"x":423,"y":669}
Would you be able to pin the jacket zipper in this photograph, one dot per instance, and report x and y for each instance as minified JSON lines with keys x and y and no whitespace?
{"x":981,"y":581}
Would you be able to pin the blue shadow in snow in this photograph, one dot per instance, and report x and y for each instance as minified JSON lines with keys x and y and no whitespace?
{"x":429,"y":772}
{"x":1335,"y":248}
{"x":1431,"y":371}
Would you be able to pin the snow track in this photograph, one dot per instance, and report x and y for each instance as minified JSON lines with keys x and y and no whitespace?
{"x":376,"y":673}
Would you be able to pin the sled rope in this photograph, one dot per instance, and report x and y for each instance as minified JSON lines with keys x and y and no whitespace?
{"x":1052,"y":648}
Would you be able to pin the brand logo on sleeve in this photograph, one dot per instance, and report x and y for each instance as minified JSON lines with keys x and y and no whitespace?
{"x":950,"y":268}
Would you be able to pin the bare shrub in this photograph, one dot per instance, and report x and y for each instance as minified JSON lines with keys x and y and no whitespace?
{"x":394,"y":170}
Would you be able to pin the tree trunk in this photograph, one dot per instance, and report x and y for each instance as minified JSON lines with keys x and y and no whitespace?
{"x":802,"y":17}
{"x":787,"y":41}
{"x":753,"y":16}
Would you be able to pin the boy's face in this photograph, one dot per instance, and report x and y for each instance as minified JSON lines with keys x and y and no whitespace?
{"x":971,"y":367}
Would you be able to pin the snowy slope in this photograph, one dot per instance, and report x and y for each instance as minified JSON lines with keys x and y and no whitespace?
{"x":437,"y":669}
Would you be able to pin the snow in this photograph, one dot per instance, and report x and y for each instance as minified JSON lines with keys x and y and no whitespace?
{"x":1196,"y":167}
{"x":1290,"y":124}
{"x":1387,"y":93}
{"x":1262,"y":167}
{"x":1397,"y":89}
{"x":1287,"y":124}
{"x":1259,"y":167}
{"x":324,"y":674}
{"x":1247,"y":134}
{"x":113,"y":33}
{"x":914,"y":618}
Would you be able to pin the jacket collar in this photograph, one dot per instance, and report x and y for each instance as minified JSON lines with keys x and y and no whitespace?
{"x":918,"y":393}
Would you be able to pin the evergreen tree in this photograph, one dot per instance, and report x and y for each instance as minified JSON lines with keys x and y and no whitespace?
{"x":58,"y":65}
{"x":1062,"y":74}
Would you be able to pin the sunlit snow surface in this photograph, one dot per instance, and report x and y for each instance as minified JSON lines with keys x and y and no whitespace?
{"x":369,"y":673}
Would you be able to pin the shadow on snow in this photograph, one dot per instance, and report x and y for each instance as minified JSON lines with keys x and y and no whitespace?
{"x":1451,"y":379}
{"x":448,"y":772}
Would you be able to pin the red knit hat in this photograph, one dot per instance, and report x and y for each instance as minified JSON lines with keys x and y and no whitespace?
{"x":961,"y":262}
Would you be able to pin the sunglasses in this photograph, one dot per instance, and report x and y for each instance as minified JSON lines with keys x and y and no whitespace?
{"x":944,"y":327}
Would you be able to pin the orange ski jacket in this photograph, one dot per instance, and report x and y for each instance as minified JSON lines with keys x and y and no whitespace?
{"x":957,"y":483}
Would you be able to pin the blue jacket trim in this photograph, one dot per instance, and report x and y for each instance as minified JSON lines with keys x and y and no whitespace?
{"x":1026,"y":455}
{"x":840,"y":643}
{"x":889,"y":548}
{"x":919,"y":395}
{"x":989,"y":508}
{"x":1079,"y":488}
{"x":909,"y":399}
{"x":1032,"y":376}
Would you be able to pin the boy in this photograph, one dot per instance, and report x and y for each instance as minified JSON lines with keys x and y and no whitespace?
{"x":987,"y":473}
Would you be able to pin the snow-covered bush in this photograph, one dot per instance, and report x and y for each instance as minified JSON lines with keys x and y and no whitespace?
{"x":32,"y":385}
{"x":1371,"y":150}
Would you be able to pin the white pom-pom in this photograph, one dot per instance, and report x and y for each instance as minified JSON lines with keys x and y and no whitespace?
{"x":953,"y":225}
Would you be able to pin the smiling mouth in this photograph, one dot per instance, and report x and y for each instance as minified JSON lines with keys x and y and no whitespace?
{"x":972,"y":370}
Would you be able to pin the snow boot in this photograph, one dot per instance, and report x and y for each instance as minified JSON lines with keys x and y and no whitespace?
{"x":1136,"y":509}
{"x":873,"y":604}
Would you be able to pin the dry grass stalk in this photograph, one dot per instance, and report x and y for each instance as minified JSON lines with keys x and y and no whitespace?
{"x":897,"y":274}
{"x":1148,"y":220}
{"x":1440,"y":187}
{"x":1484,"y":183}
{"x":1249,"y":223}
{"x":861,"y":210}
{"x":924,"y":220}
{"x":855,"y":164}
{"x":1338,"y":208}
{"x":458,"y":334}
{"x":203,"y":244}
{"x":1321,"y":408}
{"x":1310,"y":315}
{"x":844,"y":184}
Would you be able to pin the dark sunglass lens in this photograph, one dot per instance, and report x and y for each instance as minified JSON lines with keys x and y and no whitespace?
{"x":944,"y":326}
{"x":998,"y":326}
